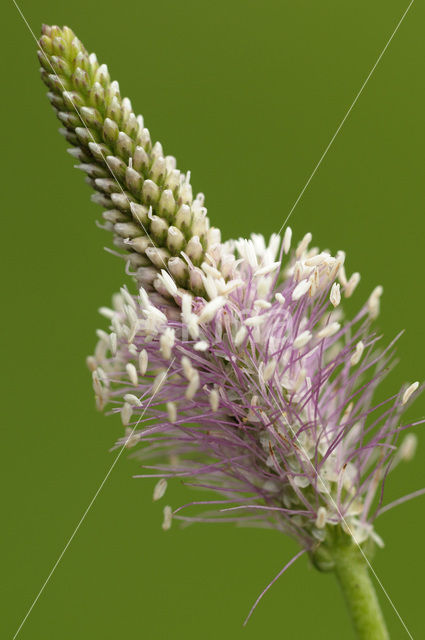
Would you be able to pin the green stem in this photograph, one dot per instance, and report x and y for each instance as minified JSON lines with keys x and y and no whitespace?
{"x":359,"y":593}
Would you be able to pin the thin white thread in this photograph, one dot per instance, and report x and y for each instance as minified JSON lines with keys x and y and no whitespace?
{"x":47,"y":580}
{"x":345,"y":118}
{"x":88,"y":130}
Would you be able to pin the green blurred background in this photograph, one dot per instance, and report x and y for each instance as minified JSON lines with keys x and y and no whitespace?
{"x":247,"y":95}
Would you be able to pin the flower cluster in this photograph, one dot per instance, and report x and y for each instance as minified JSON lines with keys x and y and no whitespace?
{"x":263,"y":395}
{"x":233,"y":366}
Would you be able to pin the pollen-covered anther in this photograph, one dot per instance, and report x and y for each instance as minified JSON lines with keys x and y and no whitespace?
{"x":262,"y":304}
{"x":330,"y":330}
{"x":168,"y":282}
{"x":214,"y":399}
{"x":286,"y":242}
{"x":166,"y":341}
{"x":168,"y":517}
{"x":303,"y":245}
{"x":193,"y":386}
{"x":409,"y":392}
{"x":158,"y":382}
{"x":143,"y":361}
{"x":408,"y":447}
{"x":240,"y":336}
{"x":171,"y":411}
{"x":373,"y":304}
{"x":132,"y":400}
{"x":335,"y":295}
{"x":132,"y":373}
{"x":131,"y":438}
{"x":317,"y":260}
{"x":301,"y":289}
{"x":358,"y":352}
{"x":302,"y":339}
{"x":268,"y":370}
{"x":202,"y":345}
{"x":322,"y":514}
{"x":211,"y":308}
{"x":351,"y":284}
{"x":159,"y":490}
{"x":126,"y":413}
{"x":269,"y":268}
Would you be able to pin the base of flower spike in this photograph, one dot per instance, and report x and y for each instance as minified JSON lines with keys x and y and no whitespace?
{"x":349,"y":562}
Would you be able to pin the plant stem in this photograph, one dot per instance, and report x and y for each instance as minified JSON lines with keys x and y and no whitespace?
{"x":359,"y":593}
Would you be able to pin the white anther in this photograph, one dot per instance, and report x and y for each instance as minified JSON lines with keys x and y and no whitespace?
{"x":269,"y":268}
{"x":128,"y":298}
{"x":301,"y":289}
{"x":321,"y":517}
{"x":329,"y":331}
{"x":106,"y":312}
{"x":193,"y":386}
{"x":132,"y":373}
{"x":193,"y":326}
{"x":355,"y":358}
{"x":302,"y":246}
{"x":240,"y":336}
{"x":168,"y":517}
{"x":373,"y":303}
{"x":186,"y":307}
{"x":302,"y":339}
{"x":202,"y":345}
{"x":113,"y":342}
{"x":211,"y":309}
{"x":143,"y":361}
{"x":188,"y":370}
{"x":317,"y":259}
{"x":166,"y":343}
{"x":160,"y":489}
{"x":172,"y":411}
{"x":255,"y":321}
{"x":286,"y":243}
{"x":214,"y":399}
{"x":132,"y":400}
{"x":262,"y":304}
{"x":126,"y":413}
{"x":168,"y":282}
{"x":335,"y":296}
{"x":351,"y":284}
{"x":409,"y":392}
{"x":131,"y":439}
{"x":159,"y":381}
{"x":269,"y":369}
{"x":408,"y":447}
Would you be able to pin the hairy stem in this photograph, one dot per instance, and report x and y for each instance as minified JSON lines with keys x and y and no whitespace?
{"x":359,"y":593}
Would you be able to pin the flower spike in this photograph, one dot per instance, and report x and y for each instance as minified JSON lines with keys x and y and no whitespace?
{"x":234,"y":366}
{"x":148,"y":202}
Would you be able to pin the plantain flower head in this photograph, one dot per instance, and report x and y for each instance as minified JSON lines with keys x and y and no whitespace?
{"x":232,"y":364}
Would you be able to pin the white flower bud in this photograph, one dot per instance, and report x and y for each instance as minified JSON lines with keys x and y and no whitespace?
{"x":150,"y":191}
{"x":175,"y":239}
